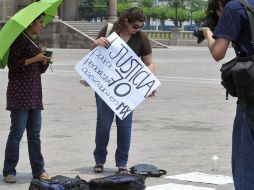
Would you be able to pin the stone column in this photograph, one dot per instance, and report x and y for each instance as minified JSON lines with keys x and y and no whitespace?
{"x":23,"y":3}
{"x":7,"y":9}
{"x":175,"y":33}
{"x":61,"y":12}
{"x":3,"y":13}
{"x":70,"y":10}
{"x":112,"y":11}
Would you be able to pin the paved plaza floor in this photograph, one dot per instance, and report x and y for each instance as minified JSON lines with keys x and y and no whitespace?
{"x":180,"y":130}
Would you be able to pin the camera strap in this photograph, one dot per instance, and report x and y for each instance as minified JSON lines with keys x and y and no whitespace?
{"x":250,"y":12}
{"x":29,"y":38}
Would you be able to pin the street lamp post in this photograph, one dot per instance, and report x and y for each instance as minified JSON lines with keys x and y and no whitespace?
{"x":157,"y":22}
{"x":112,"y":11}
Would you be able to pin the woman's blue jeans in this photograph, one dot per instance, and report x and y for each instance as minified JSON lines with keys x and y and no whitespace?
{"x":243,"y":148}
{"x":21,"y":120}
{"x":105,"y":118}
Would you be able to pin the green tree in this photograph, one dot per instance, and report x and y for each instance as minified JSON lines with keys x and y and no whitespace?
{"x":93,"y":9}
{"x":123,"y":5}
{"x":147,"y":6}
{"x":161,"y":13}
{"x":194,"y":6}
{"x":87,"y":3}
{"x":182,"y":15}
{"x":176,"y":4}
{"x":198,"y":16}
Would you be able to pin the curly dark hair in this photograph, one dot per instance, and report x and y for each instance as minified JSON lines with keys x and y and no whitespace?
{"x":133,"y":14}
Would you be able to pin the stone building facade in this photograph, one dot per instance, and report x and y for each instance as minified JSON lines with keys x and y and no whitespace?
{"x":69,"y":9}
{"x":57,"y":34}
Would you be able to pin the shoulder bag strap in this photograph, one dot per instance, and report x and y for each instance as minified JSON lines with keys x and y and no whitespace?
{"x":109,"y":28}
{"x":250,"y":12}
{"x":163,"y":172}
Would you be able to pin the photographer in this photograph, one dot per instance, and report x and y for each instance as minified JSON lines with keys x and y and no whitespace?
{"x":233,"y":26}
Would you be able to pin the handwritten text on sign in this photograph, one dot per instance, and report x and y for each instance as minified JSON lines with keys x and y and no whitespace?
{"x":118,"y":76}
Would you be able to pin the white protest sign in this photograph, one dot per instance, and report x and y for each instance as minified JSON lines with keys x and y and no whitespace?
{"x":203,"y":178}
{"x":172,"y":186}
{"x":118,"y":76}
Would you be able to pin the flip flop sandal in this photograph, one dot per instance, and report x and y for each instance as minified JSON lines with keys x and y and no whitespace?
{"x":122,"y":170}
{"x":98,"y":168}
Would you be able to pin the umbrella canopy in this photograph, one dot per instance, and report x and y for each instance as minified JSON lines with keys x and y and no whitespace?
{"x":21,"y":20}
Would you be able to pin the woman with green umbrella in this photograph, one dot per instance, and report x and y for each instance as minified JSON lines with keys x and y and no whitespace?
{"x":26,"y":63}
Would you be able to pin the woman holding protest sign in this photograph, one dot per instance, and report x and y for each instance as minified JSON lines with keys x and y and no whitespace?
{"x":128,"y":27}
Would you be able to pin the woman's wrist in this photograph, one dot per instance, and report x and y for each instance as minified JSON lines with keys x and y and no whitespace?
{"x":30,"y":61}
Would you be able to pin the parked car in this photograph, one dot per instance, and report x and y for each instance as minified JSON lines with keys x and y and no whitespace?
{"x":190,"y":27}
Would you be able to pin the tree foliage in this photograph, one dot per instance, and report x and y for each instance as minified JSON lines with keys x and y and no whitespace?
{"x":198,"y":16}
{"x":177,"y":11}
{"x":147,"y":6}
{"x":123,"y":5}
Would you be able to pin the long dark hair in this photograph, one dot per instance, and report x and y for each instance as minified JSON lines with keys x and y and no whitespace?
{"x":133,"y":14}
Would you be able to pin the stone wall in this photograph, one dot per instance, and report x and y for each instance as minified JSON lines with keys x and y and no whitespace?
{"x":69,"y":10}
{"x":7,"y":9}
{"x":58,"y":35}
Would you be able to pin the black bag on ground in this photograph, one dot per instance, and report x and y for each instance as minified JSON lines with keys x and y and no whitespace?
{"x":71,"y":183}
{"x":59,"y":183}
{"x":118,"y":182}
{"x":147,"y":170}
{"x":38,"y":184}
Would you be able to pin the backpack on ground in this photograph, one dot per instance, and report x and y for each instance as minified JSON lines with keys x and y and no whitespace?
{"x":71,"y":183}
{"x":147,"y":170}
{"x":39,"y":184}
{"x":59,"y":182}
{"x":118,"y":182}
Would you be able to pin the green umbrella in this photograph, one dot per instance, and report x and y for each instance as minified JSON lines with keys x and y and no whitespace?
{"x":21,"y":20}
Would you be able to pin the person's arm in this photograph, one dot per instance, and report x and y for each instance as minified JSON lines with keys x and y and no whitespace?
{"x":100,"y":40}
{"x":149,"y":62}
{"x":218,"y":47}
{"x":39,"y":57}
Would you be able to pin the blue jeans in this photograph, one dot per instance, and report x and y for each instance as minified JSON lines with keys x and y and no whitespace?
{"x":21,"y":120}
{"x":105,"y":118}
{"x":243,"y":148}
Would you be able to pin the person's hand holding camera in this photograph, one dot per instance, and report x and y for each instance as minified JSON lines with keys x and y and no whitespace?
{"x":37,"y":58}
{"x":48,"y":54}
{"x":206,"y":31}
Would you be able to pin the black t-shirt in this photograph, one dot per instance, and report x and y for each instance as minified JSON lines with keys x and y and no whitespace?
{"x":138,"y":42}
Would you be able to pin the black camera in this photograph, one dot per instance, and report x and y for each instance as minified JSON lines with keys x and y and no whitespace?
{"x":210,"y":20}
{"x":48,"y":53}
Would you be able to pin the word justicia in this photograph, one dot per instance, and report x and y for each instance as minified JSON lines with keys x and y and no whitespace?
{"x":131,"y":69}
{"x":127,"y":68}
